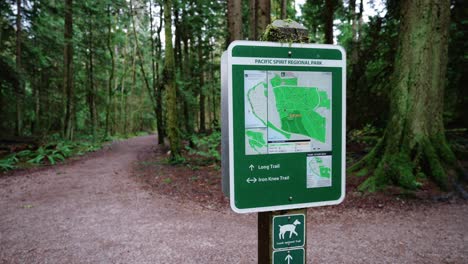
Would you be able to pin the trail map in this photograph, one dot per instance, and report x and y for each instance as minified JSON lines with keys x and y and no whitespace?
{"x":287,"y":111}
{"x":319,"y":171}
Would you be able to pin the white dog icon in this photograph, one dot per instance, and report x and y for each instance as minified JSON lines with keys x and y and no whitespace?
{"x":288,"y":228}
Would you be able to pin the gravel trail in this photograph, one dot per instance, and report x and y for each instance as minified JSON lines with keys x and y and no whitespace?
{"x":95,"y":211}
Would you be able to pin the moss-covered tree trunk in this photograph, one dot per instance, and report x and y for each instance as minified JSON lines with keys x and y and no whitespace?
{"x":414,"y":143}
{"x":170,"y":85}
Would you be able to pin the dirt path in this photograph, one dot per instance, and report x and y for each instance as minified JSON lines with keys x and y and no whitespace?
{"x":93,"y":211}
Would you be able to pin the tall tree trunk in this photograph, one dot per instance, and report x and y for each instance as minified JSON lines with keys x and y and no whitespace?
{"x":19,"y":91}
{"x":68,"y":71}
{"x":215,"y":122}
{"x":414,"y":140}
{"x":352,"y":18}
{"x":253,"y":19}
{"x":91,"y":87}
{"x":284,"y":9}
{"x":187,"y":76}
{"x":329,"y":14}
{"x":37,"y":104}
{"x":132,"y":88}
{"x":110,"y":81}
{"x":177,"y":43}
{"x":201,"y":84}
{"x":170,"y":85}
{"x":357,"y":66}
{"x":263,"y":16}
{"x":153,"y":61}
{"x":158,"y":89}
{"x":234,"y":20}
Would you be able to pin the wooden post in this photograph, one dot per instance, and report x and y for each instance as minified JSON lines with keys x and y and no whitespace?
{"x":292,"y":32}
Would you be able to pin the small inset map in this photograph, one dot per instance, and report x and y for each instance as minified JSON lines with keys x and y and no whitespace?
{"x":256,"y":141}
{"x":319,"y":172}
{"x":291,"y":108}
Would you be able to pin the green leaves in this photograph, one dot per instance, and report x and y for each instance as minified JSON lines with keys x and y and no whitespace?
{"x":207,"y":147}
{"x":8,"y":163}
{"x":51,"y":153}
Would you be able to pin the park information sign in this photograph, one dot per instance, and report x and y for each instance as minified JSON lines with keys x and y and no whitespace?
{"x":286,"y":113}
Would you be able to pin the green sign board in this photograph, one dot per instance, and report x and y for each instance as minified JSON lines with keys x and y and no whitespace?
{"x":286,"y":121}
{"x":291,"y":256}
{"x":288,"y":231}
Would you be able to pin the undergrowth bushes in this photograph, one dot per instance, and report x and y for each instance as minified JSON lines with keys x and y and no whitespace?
{"x":50,"y":153}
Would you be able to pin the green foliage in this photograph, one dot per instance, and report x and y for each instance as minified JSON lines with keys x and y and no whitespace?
{"x":207,"y":147}
{"x":369,"y":135}
{"x":167,"y":180}
{"x":8,"y":163}
{"x":50,"y":153}
{"x":42,"y":154}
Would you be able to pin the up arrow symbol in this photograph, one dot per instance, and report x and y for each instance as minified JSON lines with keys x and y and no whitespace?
{"x":251,"y":167}
{"x":288,"y":258}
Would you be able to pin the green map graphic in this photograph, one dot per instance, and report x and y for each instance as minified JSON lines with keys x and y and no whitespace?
{"x":256,"y":140}
{"x":296,"y":107}
{"x":287,"y":106}
{"x":322,"y":170}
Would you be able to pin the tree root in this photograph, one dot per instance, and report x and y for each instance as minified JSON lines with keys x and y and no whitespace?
{"x":460,"y":190}
{"x":432,"y":157}
{"x":369,"y":161}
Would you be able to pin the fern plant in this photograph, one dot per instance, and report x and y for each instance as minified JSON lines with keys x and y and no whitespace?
{"x":52,"y":155}
{"x":207,"y":146}
{"x":8,"y":163}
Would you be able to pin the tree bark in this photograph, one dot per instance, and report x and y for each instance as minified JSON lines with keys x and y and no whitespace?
{"x":157,"y":87}
{"x":91,"y":88}
{"x":329,"y":13}
{"x":201,"y":85}
{"x":36,"y":128}
{"x":19,"y":91}
{"x":284,"y":9}
{"x":352,"y":18}
{"x":262,"y":16}
{"x":159,"y":93}
{"x":110,"y":81}
{"x":253,"y":19}
{"x":187,"y":76}
{"x":235,"y":20}
{"x":68,"y":71}
{"x":170,"y":85}
{"x":414,"y":142}
{"x":177,"y":38}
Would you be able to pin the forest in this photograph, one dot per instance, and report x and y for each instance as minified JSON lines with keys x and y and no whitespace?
{"x":77,"y":73}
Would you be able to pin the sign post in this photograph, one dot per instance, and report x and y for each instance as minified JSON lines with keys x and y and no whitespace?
{"x":284,"y":142}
